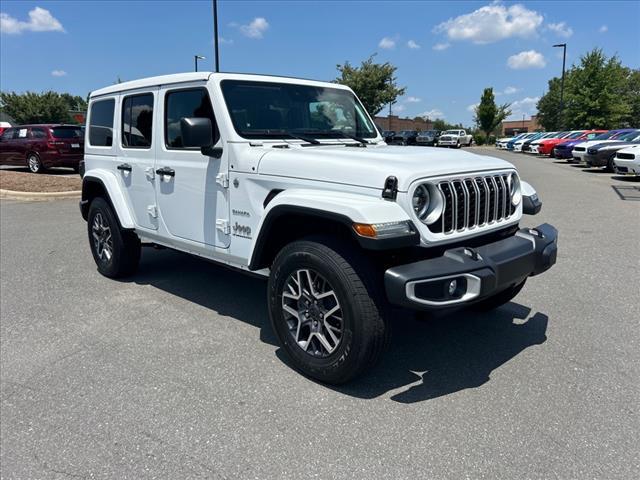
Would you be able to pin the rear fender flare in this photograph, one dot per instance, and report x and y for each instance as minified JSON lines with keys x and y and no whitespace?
{"x":109,"y":184}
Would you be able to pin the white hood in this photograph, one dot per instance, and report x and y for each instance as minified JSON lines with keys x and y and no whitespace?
{"x":370,"y":167}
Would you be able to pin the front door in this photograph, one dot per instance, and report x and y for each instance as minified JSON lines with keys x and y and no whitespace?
{"x":136,"y":154}
{"x":192,"y":193}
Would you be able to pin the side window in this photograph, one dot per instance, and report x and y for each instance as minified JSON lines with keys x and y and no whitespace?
{"x":101,"y":123}
{"x":137,"y":121}
{"x":186,"y":103}
{"x":38,"y":133}
{"x":8,"y":134}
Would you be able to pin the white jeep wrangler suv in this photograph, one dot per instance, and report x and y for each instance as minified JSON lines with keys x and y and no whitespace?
{"x":290,"y":179}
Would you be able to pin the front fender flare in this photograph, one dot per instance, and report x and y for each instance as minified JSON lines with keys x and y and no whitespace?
{"x":110,"y":185}
{"x":344,"y":208}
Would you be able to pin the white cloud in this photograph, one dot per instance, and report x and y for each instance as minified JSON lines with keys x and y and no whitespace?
{"x":525,"y":106}
{"x":472,"y":108}
{"x":603,"y":29}
{"x":413,"y":45}
{"x":438,"y":47}
{"x":397,"y":108}
{"x":561,"y":29}
{"x":507,"y":91}
{"x":433,"y":113}
{"x":255,"y":29}
{"x":225,"y":41}
{"x":492,"y":23}
{"x":40,"y":20}
{"x":413,"y":100}
{"x":526,"y":59}
{"x":58,"y":73}
{"x":387,"y":43}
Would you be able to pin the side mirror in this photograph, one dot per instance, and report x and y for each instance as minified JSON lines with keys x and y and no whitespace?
{"x":197,"y":132}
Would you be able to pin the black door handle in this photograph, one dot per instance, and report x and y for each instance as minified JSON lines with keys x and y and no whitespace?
{"x":169,"y":172}
{"x":124,"y":166}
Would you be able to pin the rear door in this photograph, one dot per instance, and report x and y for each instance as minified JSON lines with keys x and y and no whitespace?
{"x":6,"y":145}
{"x":193,"y":195}
{"x":136,"y":154}
{"x":20,"y":146}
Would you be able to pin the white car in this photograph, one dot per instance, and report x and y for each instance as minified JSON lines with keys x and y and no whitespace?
{"x":533,"y":147}
{"x":517,"y":145}
{"x":455,"y":138}
{"x":289,"y":179}
{"x":627,"y":161}
{"x":580,"y":150}
{"x":501,"y":143}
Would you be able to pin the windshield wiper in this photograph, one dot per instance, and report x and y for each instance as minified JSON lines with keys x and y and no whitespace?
{"x":279,"y":133}
{"x":353,"y":137}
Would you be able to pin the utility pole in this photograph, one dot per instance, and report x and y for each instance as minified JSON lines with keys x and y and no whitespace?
{"x":564,"y":59}
{"x":215,"y":34}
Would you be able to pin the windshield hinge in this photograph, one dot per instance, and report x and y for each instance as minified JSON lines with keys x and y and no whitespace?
{"x":153,"y":211}
{"x":222,"y":179}
{"x":223,"y":226}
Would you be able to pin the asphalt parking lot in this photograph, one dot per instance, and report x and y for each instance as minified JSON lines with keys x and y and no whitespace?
{"x":176,"y":374}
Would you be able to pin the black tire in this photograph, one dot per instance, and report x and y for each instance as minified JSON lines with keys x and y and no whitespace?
{"x":34,"y":164}
{"x":125,"y":245}
{"x":351,"y":277}
{"x":610,"y":167}
{"x":499,"y":299}
{"x":458,"y":144}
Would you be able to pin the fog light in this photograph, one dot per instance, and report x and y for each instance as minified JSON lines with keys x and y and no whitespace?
{"x":453,"y":285}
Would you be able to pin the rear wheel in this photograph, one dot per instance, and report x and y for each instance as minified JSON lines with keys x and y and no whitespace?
{"x":34,"y":164}
{"x":115,"y":251}
{"x":499,"y":299}
{"x":325,"y":309}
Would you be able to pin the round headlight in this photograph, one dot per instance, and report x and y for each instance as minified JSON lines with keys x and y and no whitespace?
{"x":420,"y":201}
{"x":516,"y":190}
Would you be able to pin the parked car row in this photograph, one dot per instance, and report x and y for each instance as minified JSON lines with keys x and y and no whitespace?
{"x":596,"y":148}
{"x":39,"y":147}
{"x":433,"y":138}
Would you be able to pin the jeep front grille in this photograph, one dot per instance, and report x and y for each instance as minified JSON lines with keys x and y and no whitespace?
{"x":473,"y":202}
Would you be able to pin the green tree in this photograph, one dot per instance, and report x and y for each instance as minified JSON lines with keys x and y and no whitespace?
{"x":599,"y":93}
{"x":30,"y":107}
{"x":374,"y":83}
{"x":488,"y":116}
{"x":549,"y":107}
{"x":595,"y":92}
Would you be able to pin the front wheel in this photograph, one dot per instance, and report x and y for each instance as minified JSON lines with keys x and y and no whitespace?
{"x":458,"y":144}
{"x":115,"y":251}
{"x":325,"y":309}
{"x":610,"y":165}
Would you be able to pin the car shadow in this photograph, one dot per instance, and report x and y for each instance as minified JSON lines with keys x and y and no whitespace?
{"x":426,"y":358}
{"x":48,"y":171}
{"x":626,"y":178}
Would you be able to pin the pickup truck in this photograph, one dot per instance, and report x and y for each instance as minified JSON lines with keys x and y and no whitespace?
{"x":455,"y":138}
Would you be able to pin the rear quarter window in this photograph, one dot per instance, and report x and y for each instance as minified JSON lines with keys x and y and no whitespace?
{"x":101,"y":123}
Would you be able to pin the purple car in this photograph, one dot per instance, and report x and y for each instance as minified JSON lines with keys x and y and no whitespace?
{"x":564,"y":150}
{"x":578,"y":151}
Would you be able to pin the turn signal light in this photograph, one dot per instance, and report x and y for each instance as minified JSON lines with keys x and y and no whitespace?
{"x":384,"y":230}
{"x":365,"y":230}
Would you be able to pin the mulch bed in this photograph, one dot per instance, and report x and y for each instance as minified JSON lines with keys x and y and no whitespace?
{"x":32,"y":182}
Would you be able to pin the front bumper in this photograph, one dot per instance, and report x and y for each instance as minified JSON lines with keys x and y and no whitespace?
{"x":479,"y":273}
{"x":598,"y":159}
{"x":563,"y":153}
{"x":627,"y":167}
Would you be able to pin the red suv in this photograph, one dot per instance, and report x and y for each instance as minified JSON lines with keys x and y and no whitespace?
{"x":42,"y":146}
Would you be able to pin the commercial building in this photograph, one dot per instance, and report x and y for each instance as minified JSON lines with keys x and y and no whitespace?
{"x":514,"y":127}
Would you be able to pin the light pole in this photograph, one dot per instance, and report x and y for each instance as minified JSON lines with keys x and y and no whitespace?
{"x":196,"y":58}
{"x":564,"y":59}
{"x":215,"y":34}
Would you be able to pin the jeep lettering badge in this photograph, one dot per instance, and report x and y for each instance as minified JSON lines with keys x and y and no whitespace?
{"x":305,"y":209}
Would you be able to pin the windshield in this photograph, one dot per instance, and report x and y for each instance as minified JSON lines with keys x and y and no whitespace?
{"x":629,"y":136}
{"x":66,"y":132}
{"x":451,"y":132}
{"x":575,"y":135}
{"x":276,"y":110}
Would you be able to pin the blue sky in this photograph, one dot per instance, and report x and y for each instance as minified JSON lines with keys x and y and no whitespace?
{"x":446,"y":52}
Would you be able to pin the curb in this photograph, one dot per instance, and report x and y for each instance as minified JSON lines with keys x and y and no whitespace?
{"x":39,"y":195}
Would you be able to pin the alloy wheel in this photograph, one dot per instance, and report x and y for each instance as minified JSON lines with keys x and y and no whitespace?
{"x":312,"y":313}
{"x":102,"y":238}
{"x":33,"y":163}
